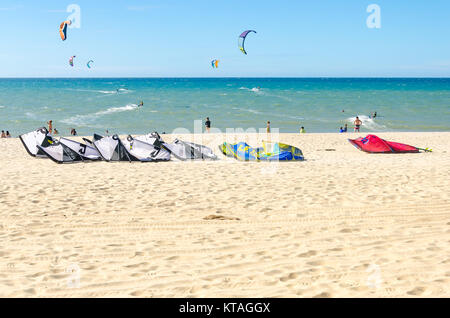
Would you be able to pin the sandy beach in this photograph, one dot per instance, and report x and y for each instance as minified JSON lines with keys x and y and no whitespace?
{"x":343,"y":223}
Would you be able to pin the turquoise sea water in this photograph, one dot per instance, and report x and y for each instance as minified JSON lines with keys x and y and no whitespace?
{"x":94,"y":105}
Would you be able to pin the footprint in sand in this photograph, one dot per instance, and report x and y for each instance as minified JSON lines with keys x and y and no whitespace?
{"x":307,"y":254}
{"x":220,"y":217}
{"x":323,"y":295}
{"x":416,"y":291}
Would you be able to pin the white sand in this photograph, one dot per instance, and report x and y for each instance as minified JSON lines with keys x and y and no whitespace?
{"x":342,"y":224}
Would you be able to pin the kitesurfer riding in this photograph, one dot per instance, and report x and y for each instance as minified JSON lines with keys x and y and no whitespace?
{"x":141,"y":104}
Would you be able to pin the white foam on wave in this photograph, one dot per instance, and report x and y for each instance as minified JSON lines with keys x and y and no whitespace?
{"x":368,"y":123}
{"x":105,"y":92}
{"x":109,"y":92}
{"x":84,"y":120}
{"x":30,"y":115}
{"x":254,"y":89}
{"x":247,"y":110}
{"x":1,"y":106}
{"x":269,"y":115}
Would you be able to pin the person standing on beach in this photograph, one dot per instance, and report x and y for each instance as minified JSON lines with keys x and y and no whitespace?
{"x":357,"y":123}
{"x":302,"y":130}
{"x":50,"y":126}
{"x":207,"y":124}
{"x":268,"y":127}
{"x":345,"y":128}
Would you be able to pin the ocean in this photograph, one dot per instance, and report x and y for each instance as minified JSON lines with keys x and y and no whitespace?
{"x":318,"y":104}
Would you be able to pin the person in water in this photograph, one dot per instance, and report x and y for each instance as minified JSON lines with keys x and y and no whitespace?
{"x":55,"y":131}
{"x":374,"y":115}
{"x":7,"y":134}
{"x":357,"y":123}
{"x":345,"y":128}
{"x":73,"y":132}
{"x":3,"y":134}
{"x":50,"y":126}
{"x":268,"y":127}
{"x":207,"y":124}
{"x":141,"y":104}
{"x":302,"y":130}
{"x":341,"y":130}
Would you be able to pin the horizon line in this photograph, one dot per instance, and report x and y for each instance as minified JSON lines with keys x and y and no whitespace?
{"x":231,"y":77}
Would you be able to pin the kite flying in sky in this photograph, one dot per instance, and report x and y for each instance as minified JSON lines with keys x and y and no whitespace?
{"x":71,"y":60}
{"x":63,"y":29}
{"x":89,"y":63}
{"x":215,"y":63}
{"x":241,"y":40}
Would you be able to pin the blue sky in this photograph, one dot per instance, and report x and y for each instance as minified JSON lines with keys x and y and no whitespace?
{"x":179,"y":38}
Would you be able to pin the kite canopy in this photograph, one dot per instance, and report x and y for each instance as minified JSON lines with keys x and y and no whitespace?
{"x":271,"y":151}
{"x":241,"y":40}
{"x":63,"y":29}
{"x":183,"y":150}
{"x":146,"y":148}
{"x":215,"y":63}
{"x":60,"y":153}
{"x":89,"y":63}
{"x":85,"y":151}
{"x":39,"y":137}
{"x":112,"y":149}
{"x":374,"y":144}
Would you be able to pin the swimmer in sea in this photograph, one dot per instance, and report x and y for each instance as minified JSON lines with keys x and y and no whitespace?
{"x":50,"y":126}
{"x":357,"y":123}
{"x":207,"y":124}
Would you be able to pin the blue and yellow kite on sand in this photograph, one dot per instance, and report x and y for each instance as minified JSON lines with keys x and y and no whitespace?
{"x":271,"y":151}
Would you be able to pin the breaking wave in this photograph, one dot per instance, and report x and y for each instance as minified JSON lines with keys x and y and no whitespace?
{"x":109,"y":92}
{"x":254,"y":89}
{"x":269,"y":115}
{"x":84,"y":120}
{"x":368,"y":123}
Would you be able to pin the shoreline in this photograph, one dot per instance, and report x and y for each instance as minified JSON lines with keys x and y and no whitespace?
{"x":350,"y":133}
